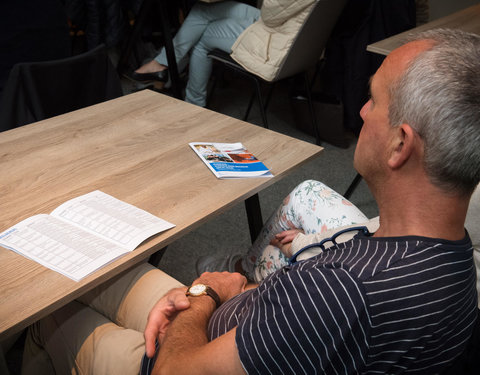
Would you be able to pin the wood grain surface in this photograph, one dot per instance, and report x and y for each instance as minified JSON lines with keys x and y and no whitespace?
{"x":467,"y":20}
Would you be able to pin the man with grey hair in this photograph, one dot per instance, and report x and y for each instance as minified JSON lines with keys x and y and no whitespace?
{"x":402,"y":299}
{"x":443,"y":108}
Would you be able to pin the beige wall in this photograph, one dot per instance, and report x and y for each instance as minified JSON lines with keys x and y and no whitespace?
{"x":440,"y":8}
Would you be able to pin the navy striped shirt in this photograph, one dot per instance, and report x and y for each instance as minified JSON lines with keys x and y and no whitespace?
{"x":369,"y":305}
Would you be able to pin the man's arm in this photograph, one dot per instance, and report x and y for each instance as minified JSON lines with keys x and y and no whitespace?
{"x":161,"y":315}
{"x":185,"y":348}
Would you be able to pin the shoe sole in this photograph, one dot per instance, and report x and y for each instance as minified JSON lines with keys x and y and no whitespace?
{"x":158,"y":85}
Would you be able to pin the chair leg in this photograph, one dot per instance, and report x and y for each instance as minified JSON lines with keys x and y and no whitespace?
{"x":269,"y":96}
{"x":250,"y":103}
{"x":353,"y":186}
{"x":318,"y":67}
{"x":312,"y":110}
{"x":145,"y":10}
{"x":220,"y":72}
{"x":260,"y":103}
{"x":210,"y":94}
{"x":258,"y":91}
{"x":168,"y":45}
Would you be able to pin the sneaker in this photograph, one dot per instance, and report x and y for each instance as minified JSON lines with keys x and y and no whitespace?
{"x":211,"y":263}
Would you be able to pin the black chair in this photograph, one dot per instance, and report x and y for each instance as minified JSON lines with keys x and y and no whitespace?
{"x":146,"y":9}
{"x":353,"y":186}
{"x":304,"y":54}
{"x":36,"y":91}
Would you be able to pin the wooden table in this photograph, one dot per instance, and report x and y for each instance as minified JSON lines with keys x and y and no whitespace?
{"x":467,"y":20}
{"x":134,"y":148}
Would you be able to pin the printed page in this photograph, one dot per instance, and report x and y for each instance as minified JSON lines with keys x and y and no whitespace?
{"x":111,"y":219}
{"x":60,"y":246}
{"x":230,"y":160}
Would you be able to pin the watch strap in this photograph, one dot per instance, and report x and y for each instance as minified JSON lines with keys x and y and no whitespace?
{"x":210,"y":292}
{"x":207,"y":291}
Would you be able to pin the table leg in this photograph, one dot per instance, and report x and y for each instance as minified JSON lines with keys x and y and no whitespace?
{"x":155,"y":258}
{"x":255,"y":224}
{"x":254,"y":216}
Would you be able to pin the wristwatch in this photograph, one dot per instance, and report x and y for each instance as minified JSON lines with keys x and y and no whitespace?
{"x":198,"y":290}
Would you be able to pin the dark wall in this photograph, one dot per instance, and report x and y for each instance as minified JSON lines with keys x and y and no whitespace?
{"x":32,"y":30}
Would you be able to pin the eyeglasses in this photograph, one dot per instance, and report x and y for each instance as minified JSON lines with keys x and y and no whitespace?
{"x":331,"y":239}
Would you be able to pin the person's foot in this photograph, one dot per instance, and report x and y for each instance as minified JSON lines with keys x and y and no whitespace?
{"x":151,"y":72}
{"x":210,"y":263}
{"x":151,"y":67}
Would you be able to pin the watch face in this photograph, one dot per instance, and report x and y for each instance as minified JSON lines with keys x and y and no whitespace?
{"x":197,"y":289}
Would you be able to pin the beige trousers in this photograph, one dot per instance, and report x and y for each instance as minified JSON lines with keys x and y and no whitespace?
{"x":101,"y":332}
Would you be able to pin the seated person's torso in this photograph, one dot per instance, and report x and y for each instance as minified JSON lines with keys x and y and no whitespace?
{"x":411,"y":303}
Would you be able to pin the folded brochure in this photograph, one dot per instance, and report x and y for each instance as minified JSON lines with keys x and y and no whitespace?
{"x":230,"y":160}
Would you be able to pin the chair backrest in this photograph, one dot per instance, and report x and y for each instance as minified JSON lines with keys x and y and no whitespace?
{"x":472,"y":224}
{"x":312,"y":38}
{"x":469,"y":361}
{"x":36,"y":91}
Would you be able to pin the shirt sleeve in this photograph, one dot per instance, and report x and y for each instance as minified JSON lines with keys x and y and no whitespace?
{"x":305,"y":322}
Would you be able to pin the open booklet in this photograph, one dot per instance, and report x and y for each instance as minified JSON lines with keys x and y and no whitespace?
{"x":230,"y":160}
{"x":83,"y":234}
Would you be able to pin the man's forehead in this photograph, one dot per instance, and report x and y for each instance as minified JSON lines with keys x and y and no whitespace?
{"x":397,"y":61}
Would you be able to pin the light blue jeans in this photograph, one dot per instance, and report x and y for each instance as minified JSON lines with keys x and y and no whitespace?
{"x":207,"y":26}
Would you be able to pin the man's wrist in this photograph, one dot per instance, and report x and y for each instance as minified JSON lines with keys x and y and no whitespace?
{"x":199,"y":290}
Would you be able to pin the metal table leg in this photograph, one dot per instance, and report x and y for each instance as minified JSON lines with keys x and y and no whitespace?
{"x":254,"y":216}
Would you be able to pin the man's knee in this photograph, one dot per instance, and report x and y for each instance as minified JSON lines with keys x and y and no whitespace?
{"x":76,"y":339}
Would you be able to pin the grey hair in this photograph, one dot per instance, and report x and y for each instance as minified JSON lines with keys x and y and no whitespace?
{"x":439,"y":97}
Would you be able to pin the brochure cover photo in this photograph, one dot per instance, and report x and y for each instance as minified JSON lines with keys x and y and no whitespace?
{"x":230,"y":160}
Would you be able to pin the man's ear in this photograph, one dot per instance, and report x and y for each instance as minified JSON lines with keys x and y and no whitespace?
{"x":403,"y":146}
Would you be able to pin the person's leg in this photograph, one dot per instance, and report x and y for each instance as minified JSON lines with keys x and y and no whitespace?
{"x":197,"y":21}
{"x":79,"y":340}
{"x":114,"y":311}
{"x":312,"y":207}
{"x":219,"y":34}
{"x":127,"y":299}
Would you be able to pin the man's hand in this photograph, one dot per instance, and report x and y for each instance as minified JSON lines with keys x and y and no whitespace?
{"x":283,"y":241}
{"x":226,"y":284}
{"x":160,"y":317}
{"x":185,"y":348}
